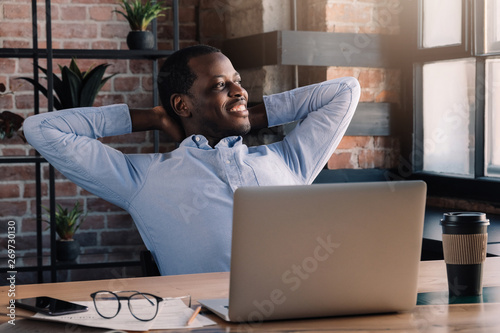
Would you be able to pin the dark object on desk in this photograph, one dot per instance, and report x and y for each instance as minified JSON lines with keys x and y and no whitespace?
{"x":464,"y":245}
{"x":433,"y":233}
{"x":50,"y":306}
{"x":148,"y":264}
{"x":489,"y":295}
{"x":352,"y":175}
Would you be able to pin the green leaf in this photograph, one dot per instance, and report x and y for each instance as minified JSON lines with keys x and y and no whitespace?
{"x":74,"y":68}
{"x":75,"y":88}
{"x":43,"y":90}
{"x":74,"y":85}
{"x":67,"y":222}
{"x":91,"y":85}
{"x":140,"y":15}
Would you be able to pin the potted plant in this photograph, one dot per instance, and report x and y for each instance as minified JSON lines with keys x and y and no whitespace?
{"x":67,"y":222}
{"x":75,"y":88}
{"x":9,"y":121}
{"x":139,"y":16}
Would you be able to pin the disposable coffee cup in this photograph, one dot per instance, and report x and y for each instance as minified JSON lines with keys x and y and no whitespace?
{"x":464,"y":245}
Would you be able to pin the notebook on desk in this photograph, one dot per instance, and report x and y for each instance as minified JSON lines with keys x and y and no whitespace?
{"x":323,"y":250}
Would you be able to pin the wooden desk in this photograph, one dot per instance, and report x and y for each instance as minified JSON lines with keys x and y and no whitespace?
{"x":471,"y":318}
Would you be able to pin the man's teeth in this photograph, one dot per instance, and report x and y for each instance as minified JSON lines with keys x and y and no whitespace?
{"x":239,"y":108}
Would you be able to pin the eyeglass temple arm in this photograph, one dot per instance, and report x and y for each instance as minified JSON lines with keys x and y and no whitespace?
{"x":180,"y":297}
{"x":138,"y":292}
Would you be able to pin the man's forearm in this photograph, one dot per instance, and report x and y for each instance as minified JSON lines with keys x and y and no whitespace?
{"x":145,"y":119}
{"x":326,"y":109}
{"x":156,"y":119}
{"x":298,"y":103}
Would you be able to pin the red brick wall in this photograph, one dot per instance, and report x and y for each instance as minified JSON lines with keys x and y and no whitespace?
{"x":363,"y":16}
{"x":365,"y":152}
{"x":377,"y":84}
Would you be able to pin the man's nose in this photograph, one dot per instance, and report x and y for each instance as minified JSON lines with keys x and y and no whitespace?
{"x":236,"y":90}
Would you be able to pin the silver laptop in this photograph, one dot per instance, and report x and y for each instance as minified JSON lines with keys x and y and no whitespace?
{"x":323,"y":250}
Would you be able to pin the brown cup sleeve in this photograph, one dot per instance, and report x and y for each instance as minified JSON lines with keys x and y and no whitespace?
{"x":465,"y":249}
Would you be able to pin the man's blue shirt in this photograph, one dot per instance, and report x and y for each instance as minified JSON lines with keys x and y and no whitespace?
{"x":182,"y":201}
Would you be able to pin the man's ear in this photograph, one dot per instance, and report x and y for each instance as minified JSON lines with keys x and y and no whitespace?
{"x":179,"y":105}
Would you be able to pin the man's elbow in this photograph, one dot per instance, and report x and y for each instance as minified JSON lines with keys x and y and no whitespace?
{"x":31,"y":129}
{"x":354,"y":86}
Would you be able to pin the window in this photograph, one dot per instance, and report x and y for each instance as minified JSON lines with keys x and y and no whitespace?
{"x":492,"y":119}
{"x":442,"y":23}
{"x":492,"y":27}
{"x":448,"y":116}
{"x":456,"y":66}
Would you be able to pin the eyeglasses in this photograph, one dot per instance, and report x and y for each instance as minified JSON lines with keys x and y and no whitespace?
{"x":143,"y":306}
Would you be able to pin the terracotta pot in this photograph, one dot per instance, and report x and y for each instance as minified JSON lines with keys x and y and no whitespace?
{"x":140,"y":40}
{"x":67,"y":250}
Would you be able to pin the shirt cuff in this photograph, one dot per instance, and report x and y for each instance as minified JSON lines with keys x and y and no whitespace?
{"x":116,"y":120}
{"x":279,"y":109}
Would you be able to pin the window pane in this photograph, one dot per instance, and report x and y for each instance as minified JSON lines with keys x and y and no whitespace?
{"x":492,"y":26}
{"x":448,"y":116}
{"x":442,"y":23}
{"x":492,"y":104}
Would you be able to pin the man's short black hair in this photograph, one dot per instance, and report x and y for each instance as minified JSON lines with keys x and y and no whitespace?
{"x":175,"y":76}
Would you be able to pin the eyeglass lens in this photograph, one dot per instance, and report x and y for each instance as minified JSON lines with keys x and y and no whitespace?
{"x":107,"y":304}
{"x":143,"y":306}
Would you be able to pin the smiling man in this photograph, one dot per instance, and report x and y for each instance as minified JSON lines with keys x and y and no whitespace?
{"x":181,"y":201}
{"x":216,"y":104}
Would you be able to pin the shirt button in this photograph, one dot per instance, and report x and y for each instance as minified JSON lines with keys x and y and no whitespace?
{"x":228,"y":162}
{"x":197,"y":138}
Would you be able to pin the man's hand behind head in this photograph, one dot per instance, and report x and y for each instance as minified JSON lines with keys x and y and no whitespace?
{"x":169,"y":126}
{"x":156,"y":119}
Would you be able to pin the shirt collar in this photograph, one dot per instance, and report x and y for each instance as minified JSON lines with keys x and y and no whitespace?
{"x":199,"y":141}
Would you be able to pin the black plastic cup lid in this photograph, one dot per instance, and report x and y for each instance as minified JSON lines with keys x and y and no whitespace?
{"x":453,"y":218}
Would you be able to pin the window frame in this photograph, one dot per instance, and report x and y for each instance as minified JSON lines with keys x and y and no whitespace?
{"x":461,"y":50}
{"x":480,"y":7}
{"x":477,"y":187}
{"x":489,"y":169}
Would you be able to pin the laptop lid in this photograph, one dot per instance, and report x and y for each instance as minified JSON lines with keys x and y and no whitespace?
{"x":325,"y":250}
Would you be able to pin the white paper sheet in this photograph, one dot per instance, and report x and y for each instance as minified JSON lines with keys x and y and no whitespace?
{"x":172,"y":314}
{"x":28,"y":325}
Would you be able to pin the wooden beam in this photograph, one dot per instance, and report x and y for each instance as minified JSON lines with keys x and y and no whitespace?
{"x":311,"y":48}
{"x":371,"y":119}
{"x":253,"y":51}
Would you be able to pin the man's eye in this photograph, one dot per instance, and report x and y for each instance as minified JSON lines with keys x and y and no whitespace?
{"x":220,"y":85}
